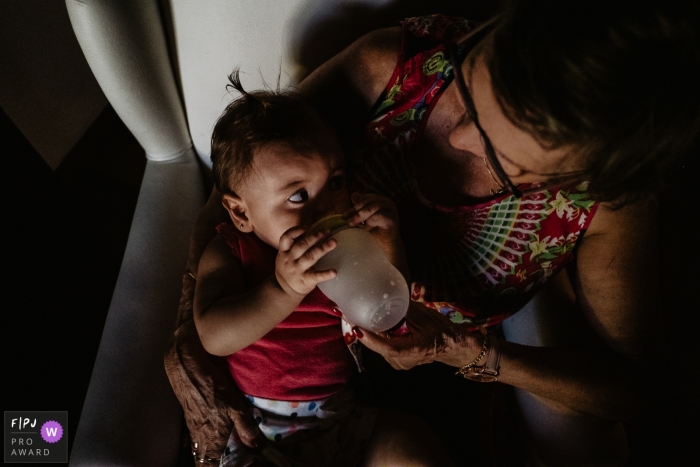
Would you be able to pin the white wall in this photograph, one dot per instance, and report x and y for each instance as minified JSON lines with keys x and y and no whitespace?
{"x":213,"y":37}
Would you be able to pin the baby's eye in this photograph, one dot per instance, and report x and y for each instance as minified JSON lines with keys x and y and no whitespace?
{"x":336,"y":182}
{"x":299,"y":197}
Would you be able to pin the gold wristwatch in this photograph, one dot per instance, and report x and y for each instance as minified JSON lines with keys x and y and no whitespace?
{"x":487,"y":373}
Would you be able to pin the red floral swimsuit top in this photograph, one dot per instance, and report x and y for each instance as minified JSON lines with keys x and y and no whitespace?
{"x":476,"y":264}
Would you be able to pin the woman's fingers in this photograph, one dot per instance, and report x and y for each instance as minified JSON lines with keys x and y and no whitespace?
{"x":381,"y":220}
{"x":400,"y":352}
{"x":246,"y":427}
{"x":427,"y":321}
{"x":430,"y":333}
{"x":237,"y":409}
{"x":364,"y":206}
{"x":374,"y":211}
{"x":374,"y":342}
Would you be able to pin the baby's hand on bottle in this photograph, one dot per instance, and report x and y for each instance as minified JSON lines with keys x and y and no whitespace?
{"x":379,"y":214}
{"x":298,"y":253}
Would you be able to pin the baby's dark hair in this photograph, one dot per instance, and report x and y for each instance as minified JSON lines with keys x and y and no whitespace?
{"x":255,"y":119}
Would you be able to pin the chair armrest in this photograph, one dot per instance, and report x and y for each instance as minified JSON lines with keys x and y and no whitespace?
{"x":131,"y":416}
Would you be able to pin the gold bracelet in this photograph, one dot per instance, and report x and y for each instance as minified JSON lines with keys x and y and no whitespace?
{"x":484,"y":348}
{"x":204,"y":459}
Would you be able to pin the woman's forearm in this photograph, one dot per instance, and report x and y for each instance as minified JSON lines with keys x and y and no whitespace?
{"x":596,"y":382}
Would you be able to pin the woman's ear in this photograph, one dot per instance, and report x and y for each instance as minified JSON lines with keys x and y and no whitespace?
{"x":238,"y":211}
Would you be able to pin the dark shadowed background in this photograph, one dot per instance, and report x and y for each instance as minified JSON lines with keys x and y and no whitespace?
{"x":70,"y":179}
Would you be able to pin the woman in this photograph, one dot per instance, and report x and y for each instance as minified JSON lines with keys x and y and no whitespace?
{"x":490,"y":142}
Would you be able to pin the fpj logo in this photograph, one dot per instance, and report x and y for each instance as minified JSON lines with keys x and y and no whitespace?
{"x":36,"y":437}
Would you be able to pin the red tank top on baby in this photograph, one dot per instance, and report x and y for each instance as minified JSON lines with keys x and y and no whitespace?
{"x":305,"y":356}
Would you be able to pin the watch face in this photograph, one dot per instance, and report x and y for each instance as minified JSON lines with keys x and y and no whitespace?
{"x":481,"y":377}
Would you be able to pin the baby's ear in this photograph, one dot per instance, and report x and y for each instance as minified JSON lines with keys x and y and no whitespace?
{"x":238,"y":211}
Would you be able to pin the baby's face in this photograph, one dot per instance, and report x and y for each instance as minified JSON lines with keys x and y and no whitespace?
{"x":286,"y":187}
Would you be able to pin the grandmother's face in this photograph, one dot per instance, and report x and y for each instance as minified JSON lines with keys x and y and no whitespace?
{"x":522,"y":157}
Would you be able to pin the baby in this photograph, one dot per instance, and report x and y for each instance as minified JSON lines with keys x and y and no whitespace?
{"x":279,"y":167}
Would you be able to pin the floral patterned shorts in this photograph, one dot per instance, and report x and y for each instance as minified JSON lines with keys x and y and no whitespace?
{"x":332,"y":432}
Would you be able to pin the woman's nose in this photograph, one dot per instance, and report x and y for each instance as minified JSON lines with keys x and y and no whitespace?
{"x":465,"y":136}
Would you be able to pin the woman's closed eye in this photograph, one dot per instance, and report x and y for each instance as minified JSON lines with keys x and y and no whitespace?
{"x":299,"y":197}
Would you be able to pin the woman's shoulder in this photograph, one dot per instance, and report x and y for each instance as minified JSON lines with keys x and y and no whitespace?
{"x":372,"y":59}
{"x":376,"y":54}
{"x":354,"y":78}
{"x":627,"y":220}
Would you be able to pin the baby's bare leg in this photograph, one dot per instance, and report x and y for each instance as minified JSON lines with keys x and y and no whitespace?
{"x":400,"y":439}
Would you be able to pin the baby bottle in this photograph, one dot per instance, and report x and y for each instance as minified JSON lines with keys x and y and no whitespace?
{"x":368,"y":289}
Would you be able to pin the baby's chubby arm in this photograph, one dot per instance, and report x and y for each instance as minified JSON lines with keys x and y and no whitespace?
{"x":227,"y":317}
{"x":381,"y":219}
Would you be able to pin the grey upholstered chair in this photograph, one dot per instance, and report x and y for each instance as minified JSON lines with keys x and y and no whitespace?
{"x":163,"y":67}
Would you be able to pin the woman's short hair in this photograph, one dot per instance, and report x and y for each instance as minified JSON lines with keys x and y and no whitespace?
{"x":253,"y":120}
{"x":618,"y":79}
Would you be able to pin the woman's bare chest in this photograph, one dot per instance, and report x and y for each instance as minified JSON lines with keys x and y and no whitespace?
{"x":446,"y":175}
